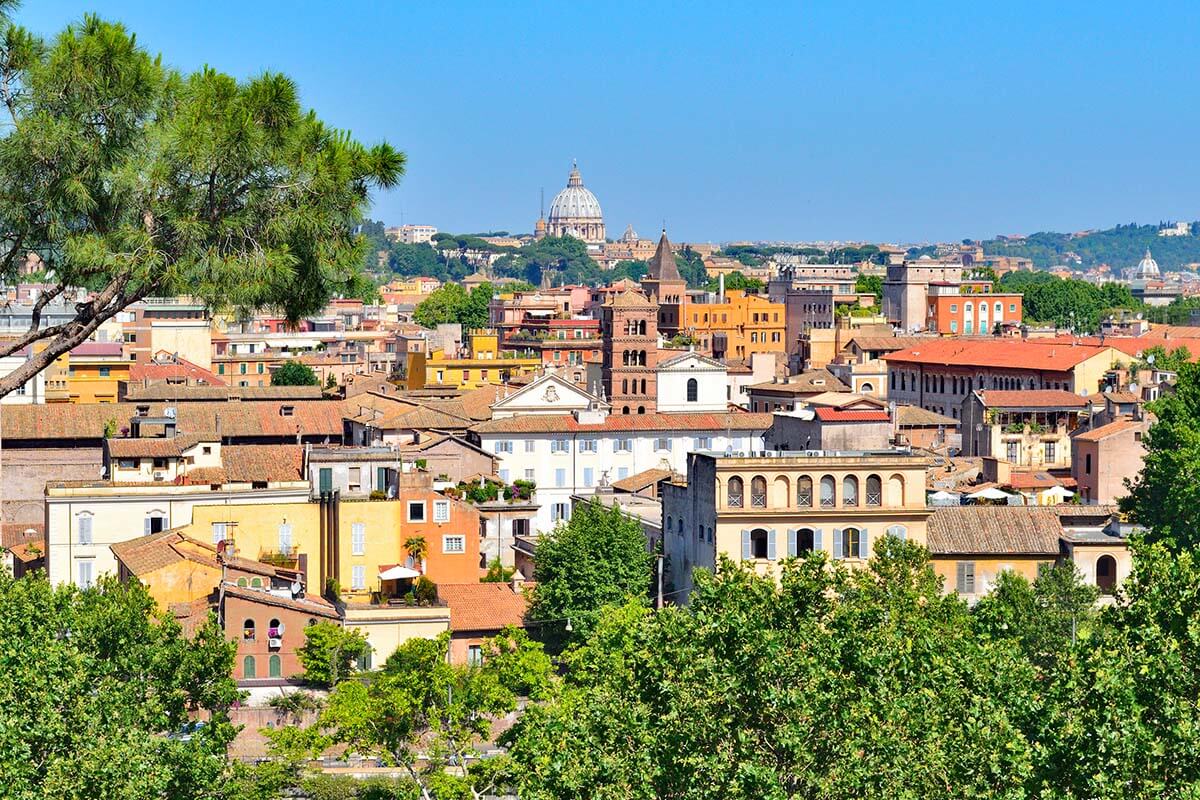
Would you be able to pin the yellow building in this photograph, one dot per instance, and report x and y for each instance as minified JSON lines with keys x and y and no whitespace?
{"x":765,"y":508}
{"x":94,"y":370}
{"x":741,"y":325}
{"x":481,"y":365}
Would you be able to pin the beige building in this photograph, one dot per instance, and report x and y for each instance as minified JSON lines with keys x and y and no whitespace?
{"x":764,"y":508}
{"x":1028,"y":428}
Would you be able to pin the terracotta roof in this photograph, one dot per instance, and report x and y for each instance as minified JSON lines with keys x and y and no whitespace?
{"x":643,"y":479}
{"x":888,"y":343}
{"x":170,"y":392}
{"x":29,"y":552}
{"x":994,"y":530}
{"x":309,"y":604}
{"x":826,"y":414}
{"x":843,"y":399}
{"x":1111,"y":429}
{"x":1002,"y":354}
{"x":152,"y":446}
{"x":176,"y":369}
{"x":1122,"y":397}
{"x":815,"y":380}
{"x":630,"y":298}
{"x":245,"y":419}
{"x":97,"y":349}
{"x":15,"y":533}
{"x":273,"y":463}
{"x":917,"y":417}
{"x":615,"y":423}
{"x":1031,"y":398}
{"x":483,"y":606}
{"x":146,"y":554}
{"x":1037,"y":480}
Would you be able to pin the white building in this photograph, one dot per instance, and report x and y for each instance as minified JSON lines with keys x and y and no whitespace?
{"x":572,"y":454}
{"x":692,"y":383}
{"x":550,"y":394}
{"x":411,"y":234}
{"x":32,"y":391}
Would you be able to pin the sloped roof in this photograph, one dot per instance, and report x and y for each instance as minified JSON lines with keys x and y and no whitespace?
{"x":643,"y":479}
{"x":917,"y":417}
{"x":815,"y":380}
{"x":1111,"y":429}
{"x":994,"y":530}
{"x":1003,"y":354}
{"x":1031,"y":398}
{"x":152,"y":446}
{"x":483,"y":606}
{"x":309,"y":604}
{"x":630,"y":298}
{"x":566,"y":423}
{"x":826,"y":414}
{"x":147,"y":554}
{"x":174,"y":369}
{"x":679,"y":358}
{"x":662,"y":266}
{"x":169,"y":392}
{"x":272,"y":463}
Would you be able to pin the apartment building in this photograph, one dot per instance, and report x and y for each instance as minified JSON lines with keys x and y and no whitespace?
{"x":1029,"y":428}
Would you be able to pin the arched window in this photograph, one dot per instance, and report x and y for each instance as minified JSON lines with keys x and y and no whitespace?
{"x":275,"y":667}
{"x":828,"y":487}
{"x":641,"y":409}
{"x":850,"y":491}
{"x":256,"y":583}
{"x":248,"y":629}
{"x":625,"y":386}
{"x":736,"y":488}
{"x":758,"y":492}
{"x":895,"y":496}
{"x":805,"y":541}
{"x":851,"y":542}
{"x":760,"y":543}
{"x":1106,"y":574}
{"x":670,"y":521}
{"x":625,"y":410}
{"x":866,"y":388}
{"x":242,"y":582}
{"x":693,"y":390}
{"x":643,"y":385}
{"x":248,"y":667}
{"x":274,"y":629}
{"x":898,"y":531}
{"x":874,"y":490}
{"x":804,"y":494}
{"x":781,"y":494}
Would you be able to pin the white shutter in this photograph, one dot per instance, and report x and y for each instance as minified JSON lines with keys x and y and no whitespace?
{"x":771,"y":545}
{"x":864,"y":544}
{"x":837,"y":542}
{"x":146,"y":526}
{"x":818,"y":544}
{"x":746,"y":551}
{"x":791,"y":543}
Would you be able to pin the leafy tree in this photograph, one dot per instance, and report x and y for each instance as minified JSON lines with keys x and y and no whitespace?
{"x":597,"y":558}
{"x":452,"y":303}
{"x":131,"y":179}
{"x":412,"y":260}
{"x":630,"y":270}
{"x":1172,"y":360}
{"x":93,"y":679}
{"x":691,"y":267}
{"x":295,"y":373}
{"x":497,"y":572}
{"x":330,"y":652}
{"x":872,"y":284}
{"x":736,"y":280}
{"x":564,"y":256}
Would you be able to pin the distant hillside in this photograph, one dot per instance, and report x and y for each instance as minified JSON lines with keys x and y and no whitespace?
{"x":1119,"y":247}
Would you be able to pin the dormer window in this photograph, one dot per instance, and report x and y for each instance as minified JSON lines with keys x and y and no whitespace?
{"x":287,"y":411}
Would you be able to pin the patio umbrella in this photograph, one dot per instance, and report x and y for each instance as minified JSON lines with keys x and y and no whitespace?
{"x":398,"y":573}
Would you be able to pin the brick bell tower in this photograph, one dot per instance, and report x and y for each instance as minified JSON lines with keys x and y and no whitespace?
{"x":629,"y":358}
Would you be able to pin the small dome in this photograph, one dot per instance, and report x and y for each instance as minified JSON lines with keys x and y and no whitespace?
{"x":575,"y":202}
{"x":1146,"y":268}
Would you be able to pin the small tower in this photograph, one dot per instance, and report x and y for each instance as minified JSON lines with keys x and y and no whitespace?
{"x":664,"y":282}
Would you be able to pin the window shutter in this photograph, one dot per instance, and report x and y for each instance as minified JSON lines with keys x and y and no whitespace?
{"x":791,"y":543}
{"x":746,"y":552}
{"x":771,"y":545}
{"x":960,"y":582}
{"x":864,"y":544}
{"x":837,"y":542}
{"x":817,"y":537}
{"x":146,"y":526}
{"x":970,"y":575}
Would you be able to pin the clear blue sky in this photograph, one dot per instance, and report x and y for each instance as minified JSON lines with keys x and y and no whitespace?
{"x":798,"y":120}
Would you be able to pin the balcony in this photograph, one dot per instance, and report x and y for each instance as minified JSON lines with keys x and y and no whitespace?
{"x":735,"y":501}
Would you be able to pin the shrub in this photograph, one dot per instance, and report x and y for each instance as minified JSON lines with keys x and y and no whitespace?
{"x":425,"y":591}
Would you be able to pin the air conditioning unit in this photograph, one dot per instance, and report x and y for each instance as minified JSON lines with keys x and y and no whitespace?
{"x":158,"y":476}
{"x":274,"y":644}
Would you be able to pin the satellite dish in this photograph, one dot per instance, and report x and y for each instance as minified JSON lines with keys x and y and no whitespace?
{"x":297,"y":588}
{"x":169,"y":412}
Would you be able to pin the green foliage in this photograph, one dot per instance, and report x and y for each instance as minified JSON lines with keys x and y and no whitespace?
{"x":330,"y":652}
{"x":110,"y":428}
{"x":565,"y":256}
{"x":417,"y":548}
{"x":133,"y":179}
{"x":425,"y":591}
{"x":736,"y":280}
{"x":691,"y":268}
{"x":497,"y":572}
{"x":295,"y":704}
{"x":598,"y":558}
{"x":870,"y":283}
{"x":330,"y":382}
{"x":295,"y":373}
{"x":1122,"y":246}
{"x":452,"y":303}
{"x":92,"y":680}
{"x":1051,"y":299}
{"x":1171,"y":361}
{"x":631,"y":270}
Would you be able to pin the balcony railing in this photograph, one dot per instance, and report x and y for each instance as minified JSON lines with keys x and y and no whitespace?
{"x":735,"y":501}
{"x":804,"y":500}
{"x":827,"y":502}
{"x":758,"y":500}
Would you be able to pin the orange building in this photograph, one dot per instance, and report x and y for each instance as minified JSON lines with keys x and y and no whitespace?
{"x":970,"y":308}
{"x":741,"y":325}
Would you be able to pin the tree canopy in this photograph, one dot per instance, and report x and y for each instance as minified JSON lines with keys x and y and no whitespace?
{"x":294,"y":373}
{"x":1122,"y":246}
{"x":452,"y":303}
{"x":736,"y":280}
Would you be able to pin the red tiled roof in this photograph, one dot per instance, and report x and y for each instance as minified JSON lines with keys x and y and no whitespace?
{"x":1031,"y":398}
{"x":1000,"y":530}
{"x":1111,"y":429}
{"x":97,"y":349}
{"x":615,"y":423}
{"x":483,"y":606}
{"x":1037,"y":480}
{"x":827,"y":414}
{"x":273,"y":463}
{"x":15,"y":533}
{"x":180,"y":369}
{"x":1004,"y":354}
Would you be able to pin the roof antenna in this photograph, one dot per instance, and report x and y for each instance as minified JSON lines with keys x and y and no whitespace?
{"x":542,"y":204}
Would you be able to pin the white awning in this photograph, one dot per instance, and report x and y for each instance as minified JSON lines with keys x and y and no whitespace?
{"x":398,"y":573}
{"x":990,"y":493}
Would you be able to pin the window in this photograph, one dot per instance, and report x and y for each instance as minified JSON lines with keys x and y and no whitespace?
{"x":558,"y":512}
{"x":220,"y":369}
{"x":898,"y":532}
{"x":828,"y":488}
{"x":850,"y":491}
{"x":358,"y":578}
{"x":734,"y":496}
{"x":874,"y":490}
{"x":285,"y":537}
{"x":416,"y":511}
{"x":156,"y":522}
{"x":83,"y":525}
{"x":1049,"y":449}
{"x":85,"y":573}
{"x":560,"y":477}
{"x":588,"y":476}
{"x":953,"y":326}
{"x":355,"y":479}
{"x":758,"y":544}
{"x":358,"y":537}
{"x":503,"y":475}
{"x":965,"y":577}
{"x":104,"y":372}
{"x":587,"y":445}
{"x":529,"y":474}
{"x":758,"y":492}
{"x":622,"y":473}
{"x":248,"y":630}
{"x":560,"y":445}
{"x":441,"y":511}
{"x":852,"y":543}
{"x":662,"y":444}
{"x":248,"y":667}
{"x":454,"y":544}
{"x":804,"y":492}
{"x":1012,"y":308}
{"x":1106,"y":574}
{"x":530,"y":445}
{"x":623,"y":446}
{"x":474,"y":655}
{"x":1012,"y":451}
{"x":1087,"y":464}
{"x":703,"y":443}
{"x":260,"y":368}
{"x":160,"y":463}
{"x":693,"y":390}
{"x":520,"y":527}
{"x":504,"y":447}
{"x":242,"y":368}
{"x":802,"y":541}
{"x":274,"y":667}
{"x":325,"y":480}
